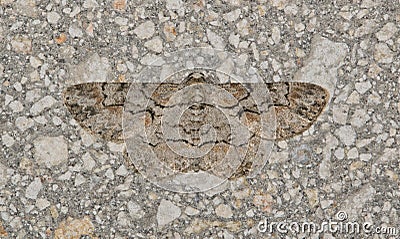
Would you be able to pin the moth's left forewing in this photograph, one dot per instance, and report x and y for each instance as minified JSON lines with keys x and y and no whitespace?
{"x":98,"y":108}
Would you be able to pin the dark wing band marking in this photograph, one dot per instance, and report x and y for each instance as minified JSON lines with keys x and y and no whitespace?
{"x":98,"y":107}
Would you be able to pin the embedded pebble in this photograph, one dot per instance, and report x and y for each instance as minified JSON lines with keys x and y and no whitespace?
{"x":233,"y":15}
{"x":383,"y":54}
{"x":1,"y":69}
{"x":3,"y":175}
{"x":23,"y":123}
{"x":215,"y":40}
{"x":174,"y":4}
{"x":18,"y":86}
{"x":339,"y":153}
{"x":169,"y":31}
{"x":123,"y":219}
{"x":90,"y":4}
{"x":109,"y":174}
{"x":51,"y":151}
{"x":3,"y":232}
{"x":7,"y":140}
{"x":370,"y":3}
{"x":94,"y":69}
{"x":356,"y":201}
{"x":366,"y":28}
{"x":346,"y":134}
{"x":79,"y":180}
{"x":363,"y":87}
{"x":340,"y":113}
{"x":75,"y":31}
{"x":42,"y":203}
{"x":325,"y":169}
{"x":33,"y":189}
{"x":88,"y":162}
{"x":134,"y":51}
{"x":75,"y":228}
{"x":119,"y":4}
{"x":359,"y":118}
{"x":365,"y":157}
{"x":327,"y":55}
{"x":298,"y":27}
{"x":224,"y":211}
{"x":122,"y":21}
{"x":154,"y":44}
{"x":44,"y":103}
{"x":243,"y":27}
{"x":389,"y":154}
{"x":16,"y":106}
{"x":234,"y":39}
{"x":53,"y":17}
{"x":121,"y":171}
{"x":135,"y":210}
{"x":280,"y":4}
{"x":387,"y":31}
{"x":145,"y":30}
{"x":276,"y":34}
{"x":27,"y":7}
{"x":191,"y":211}
{"x":22,"y":45}
{"x":35,"y":62}
{"x":167,"y":212}
{"x":291,"y":9}
{"x":353,"y":153}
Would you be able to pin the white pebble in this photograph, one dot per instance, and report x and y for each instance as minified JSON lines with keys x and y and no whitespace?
{"x":42,"y":203}
{"x":383,"y":54}
{"x":154,"y":44}
{"x":24,"y":123}
{"x":121,"y":171}
{"x":90,"y":4}
{"x":224,"y":211}
{"x":167,"y":212}
{"x":174,"y":4}
{"x":8,"y":141}
{"x":53,"y":17}
{"x":51,"y":151}
{"x":145,"y":30}
{"x":16,"y":106}
{"x":44,"y":103}
{"x":346,"y":134}
{"x":75,"y":31}
{"x":215,"y":40}
{"x":109,"y":174}
{"x":33,"y":189}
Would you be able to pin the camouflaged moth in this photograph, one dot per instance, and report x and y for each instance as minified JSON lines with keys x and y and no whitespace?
{"x":98,"y":108}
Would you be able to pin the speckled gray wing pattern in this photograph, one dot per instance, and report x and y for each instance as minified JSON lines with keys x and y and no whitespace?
{"x":98,"y":107}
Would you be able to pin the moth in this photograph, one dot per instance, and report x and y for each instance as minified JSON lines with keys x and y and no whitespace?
{"x":98,"y":108}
